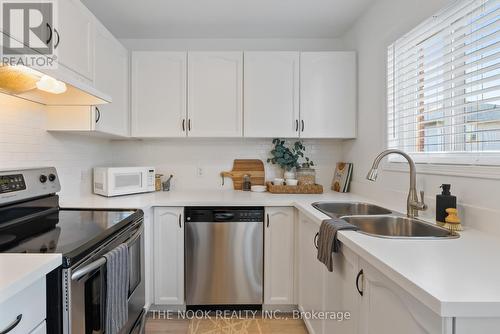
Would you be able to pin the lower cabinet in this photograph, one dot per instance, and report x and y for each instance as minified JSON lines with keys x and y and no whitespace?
{"x":169,"y":256}
{"x":279,"y":247}
{"x":311,"y":275}
{"x":25,"y":312}
{"x":369,"y":301}
{"x":387,"y":308}
{"x":341,"y":294}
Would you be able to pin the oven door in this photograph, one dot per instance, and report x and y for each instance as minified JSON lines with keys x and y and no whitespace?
{"x":86,"y":289}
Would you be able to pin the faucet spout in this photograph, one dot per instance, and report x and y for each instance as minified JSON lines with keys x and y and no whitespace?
{"x":413,"y":204}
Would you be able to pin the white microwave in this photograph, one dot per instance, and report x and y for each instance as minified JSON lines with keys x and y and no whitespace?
{"x":115,"y":181}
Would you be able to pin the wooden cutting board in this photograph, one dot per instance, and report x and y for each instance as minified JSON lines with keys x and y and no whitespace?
{"x":241,"y":167}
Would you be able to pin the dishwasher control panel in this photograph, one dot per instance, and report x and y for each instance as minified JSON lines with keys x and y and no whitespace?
{"x":224,"y":214}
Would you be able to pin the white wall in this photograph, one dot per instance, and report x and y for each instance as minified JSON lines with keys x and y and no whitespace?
{"x":226,"y":44}
{"x":183,"y":157}
{"x":24,"y":142}
{"x":383,"y":23}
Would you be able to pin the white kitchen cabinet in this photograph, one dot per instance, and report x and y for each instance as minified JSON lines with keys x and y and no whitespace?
{"x":311,"y":274}
{"x":215,"y":89}
{"x":279,"y":247}
{"x":40,"y":329}
{"x":386,"y":308}
{"x":74,"y":37}
{"x":159,"y":94}
{"x":168,"y":256}
{"x":328,"y":95}
{"x":341,"y":294}
{"x":271,"y":91}
{"x":26,"y":310}
{"x":111,"y":77}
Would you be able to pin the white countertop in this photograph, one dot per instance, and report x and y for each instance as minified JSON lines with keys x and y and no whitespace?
{"x":18,"y":271}
{"x":454,"y":277}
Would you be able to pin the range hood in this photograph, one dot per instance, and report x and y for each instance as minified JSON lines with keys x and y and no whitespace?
{"x":44,"y":88}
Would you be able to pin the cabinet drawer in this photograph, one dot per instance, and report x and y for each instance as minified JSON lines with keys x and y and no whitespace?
{"x":30,"y":303}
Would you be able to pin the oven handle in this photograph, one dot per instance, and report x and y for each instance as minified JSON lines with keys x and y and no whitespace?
{"x":101,"y":261}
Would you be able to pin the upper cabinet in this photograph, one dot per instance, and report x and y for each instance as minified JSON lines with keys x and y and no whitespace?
{"x":271,"y":92}
{"x":111,"y":77}
{"x":285,"y":94}
{"x":215,"y":89}
{"x":328,"y":94}
{"x":74,"y":37}
{"x":159,"y":94}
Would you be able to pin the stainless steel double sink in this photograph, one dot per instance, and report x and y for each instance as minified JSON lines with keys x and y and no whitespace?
{"x":381,"y":222}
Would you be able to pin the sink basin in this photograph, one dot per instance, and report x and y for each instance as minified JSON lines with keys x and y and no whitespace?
{"x":339,"y":209}
{"x":398,"y":227}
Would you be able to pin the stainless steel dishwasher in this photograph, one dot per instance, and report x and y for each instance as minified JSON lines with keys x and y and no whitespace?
{"x":224,"y":255}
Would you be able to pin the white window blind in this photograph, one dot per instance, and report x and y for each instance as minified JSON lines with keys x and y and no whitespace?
{"x":443,"y":86}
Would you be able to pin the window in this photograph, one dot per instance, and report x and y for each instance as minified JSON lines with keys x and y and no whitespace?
{"x":443,"y":86}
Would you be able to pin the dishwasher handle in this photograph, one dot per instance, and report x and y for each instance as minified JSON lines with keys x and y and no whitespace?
{"x":223,"y":216}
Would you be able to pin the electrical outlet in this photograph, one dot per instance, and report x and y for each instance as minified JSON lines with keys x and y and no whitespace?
{"x":199,"y":171}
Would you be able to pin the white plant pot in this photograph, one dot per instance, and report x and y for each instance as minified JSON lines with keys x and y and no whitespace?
{"x":289,"y":175}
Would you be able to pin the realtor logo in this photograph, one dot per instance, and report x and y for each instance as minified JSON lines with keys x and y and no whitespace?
{"x":29,"y":36}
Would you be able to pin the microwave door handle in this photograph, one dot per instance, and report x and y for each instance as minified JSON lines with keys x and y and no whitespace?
{"x":79,"y":273}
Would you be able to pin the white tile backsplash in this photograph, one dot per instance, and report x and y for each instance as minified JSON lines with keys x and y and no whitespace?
{"x":24,"y":142}
{"x":183,"y":157}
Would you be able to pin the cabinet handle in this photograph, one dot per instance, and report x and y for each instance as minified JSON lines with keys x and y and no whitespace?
{"x":268,"y":220}
{"x":189,"y":124}
{"x":58,"y":38}
{"x":98,"y":114}
{"x":302,"y":122}
{"x":12,"y":325}
{"x":360,"y":274}
{"x":316,"y":240}
{"x":49,"y":28}
{"x":183,"y":124}
{"x":180,"y":219}
{"x":296,"y":125}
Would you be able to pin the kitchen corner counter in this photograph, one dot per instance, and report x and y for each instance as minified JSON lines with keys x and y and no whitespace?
{"x":453,"y":277}
{"x":18,"y":271}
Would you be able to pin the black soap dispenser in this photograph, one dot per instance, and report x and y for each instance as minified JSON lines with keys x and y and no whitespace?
{"x":444,"y":201}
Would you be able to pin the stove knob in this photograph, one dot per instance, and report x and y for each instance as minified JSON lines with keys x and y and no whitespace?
{"x":43,"y":178}
{"x":52,"y":177}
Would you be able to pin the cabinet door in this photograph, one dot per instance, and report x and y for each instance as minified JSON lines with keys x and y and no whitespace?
{"x":74,"y":34}
{"x":387,"y":308}
{"x":328,"y":94}
{"x":40,"y":329}
{"x":169,"y":256}
{"x":279,"y":256}
{"x":159,"y":94}
{"x":215,"y":81}
{"x":341,"y":293}
{"x":271,"y":90}
{"x":111,"y":77}
{"x":311,"y":274}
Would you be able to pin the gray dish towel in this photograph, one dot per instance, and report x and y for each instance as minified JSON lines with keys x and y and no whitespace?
{"x":327,"y":239}
{"x":117,"y":282}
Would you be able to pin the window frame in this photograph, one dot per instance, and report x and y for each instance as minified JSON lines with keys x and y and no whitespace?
{"x":486,"y":163}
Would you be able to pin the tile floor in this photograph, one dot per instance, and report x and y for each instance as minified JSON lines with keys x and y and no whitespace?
{"x":215,"y":325}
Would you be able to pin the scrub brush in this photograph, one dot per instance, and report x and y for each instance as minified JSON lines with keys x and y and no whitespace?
{"x":452,"y":222}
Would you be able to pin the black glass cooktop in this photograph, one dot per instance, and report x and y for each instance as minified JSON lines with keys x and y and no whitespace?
{"x":39,"y":226}
{"x":62,"y":231}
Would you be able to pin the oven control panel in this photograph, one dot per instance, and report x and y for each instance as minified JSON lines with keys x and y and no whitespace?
{"x":13,"y":182}
{"x":21,"y":184}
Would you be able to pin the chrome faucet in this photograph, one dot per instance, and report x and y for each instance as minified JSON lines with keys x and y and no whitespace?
{"x":413,"y":205}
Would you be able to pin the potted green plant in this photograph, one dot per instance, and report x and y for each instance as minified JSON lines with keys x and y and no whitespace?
{"x":288,"y":158}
